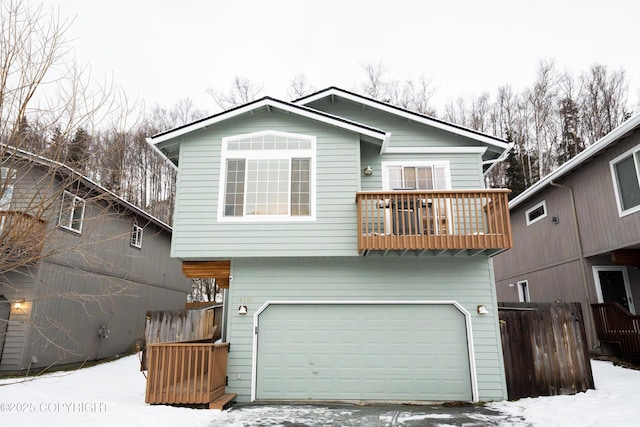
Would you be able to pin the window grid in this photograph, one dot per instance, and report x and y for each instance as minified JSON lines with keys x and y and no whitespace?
{"x":300,"y":187}
{"x":234,"y":195}
{"x":270,"y":176}
{"x":418,"y":177}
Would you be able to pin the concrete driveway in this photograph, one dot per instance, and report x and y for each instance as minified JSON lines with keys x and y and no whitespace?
{"x":345,"y":415}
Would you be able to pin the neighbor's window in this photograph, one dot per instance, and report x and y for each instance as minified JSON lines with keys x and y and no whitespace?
{"x":536,"y":213}
{"x":136,"y":236}
{"x":7,"y":176}
{"x":268,"y":175}
{"x":523,"y":291}
{"x":72,"y":212}
{"x":626,"y":181}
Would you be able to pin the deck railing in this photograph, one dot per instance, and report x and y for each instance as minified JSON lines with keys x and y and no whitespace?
{"x":22,"y":235}
{"x":432,"y":220}
{"x":615,"y":324}
{"x":186,"y":373}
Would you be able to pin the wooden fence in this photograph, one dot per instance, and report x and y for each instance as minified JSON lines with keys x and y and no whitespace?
{"x":186,"y":373}
{"x":166,"y":326}
{"x":183,"y":325}
{"x":545,"y":349}
{"x":616,"y":325}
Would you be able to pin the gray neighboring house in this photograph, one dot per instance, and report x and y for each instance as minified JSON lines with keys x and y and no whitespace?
{"x":576,"y":232}
{"x":84,"y":266}
{"x":354,"y":238}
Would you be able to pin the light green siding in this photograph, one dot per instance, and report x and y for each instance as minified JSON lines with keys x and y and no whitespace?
{"x":198,"y":234}
{"x":465,"y":169}
{"x":465,"y":280}
{"x":404,"y":133}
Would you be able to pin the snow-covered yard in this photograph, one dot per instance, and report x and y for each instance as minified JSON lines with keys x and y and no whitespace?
{"x":112,"y":394}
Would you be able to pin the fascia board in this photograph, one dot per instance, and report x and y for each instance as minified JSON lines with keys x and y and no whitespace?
{"x":300,"y":111}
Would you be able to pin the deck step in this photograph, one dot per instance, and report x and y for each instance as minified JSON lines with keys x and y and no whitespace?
{"x":222,"y":401}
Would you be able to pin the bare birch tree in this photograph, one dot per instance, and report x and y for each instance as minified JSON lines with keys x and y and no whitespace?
{"x":242,"y":91}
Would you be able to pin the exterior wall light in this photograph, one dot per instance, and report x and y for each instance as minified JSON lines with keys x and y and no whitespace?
{"x":242,"y":310}
{"x":482,"y":309}
{"x":368,"y":171}
{"x":19,"y":304}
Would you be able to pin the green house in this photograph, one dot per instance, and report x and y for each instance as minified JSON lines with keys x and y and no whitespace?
{"x":354,"y":240}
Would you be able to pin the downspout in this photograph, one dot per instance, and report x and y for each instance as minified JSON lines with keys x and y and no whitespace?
{"x":594,"y":338}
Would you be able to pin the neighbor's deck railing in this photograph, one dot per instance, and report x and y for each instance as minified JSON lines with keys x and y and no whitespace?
{"x":616,"y":324}
{"x":186,"y":373}
{"x":432,"y":220}
{"x":22,"y":235}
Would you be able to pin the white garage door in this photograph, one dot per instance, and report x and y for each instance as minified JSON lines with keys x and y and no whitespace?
{"x":331,"y":351}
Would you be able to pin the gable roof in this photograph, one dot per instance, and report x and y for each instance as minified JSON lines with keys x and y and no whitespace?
{"x":611,"y":138}
{"x":499,"y":143}
{"x":61,"y":167}
{"x":165,"y":140}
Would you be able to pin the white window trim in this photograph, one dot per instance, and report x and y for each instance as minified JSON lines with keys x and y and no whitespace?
{"x":386,"y":165}
{"x":614,"y":179}
{"x":135,"y":239}
{"x":625,"y":276}
{"x":267,"y":154}
{"x":521,"y":294}
{"x":62,"y":207}
{"x":536,"y":206}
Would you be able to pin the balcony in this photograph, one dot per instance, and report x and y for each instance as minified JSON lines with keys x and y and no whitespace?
{"x":21,"y":236}
{"x":436,"y":222}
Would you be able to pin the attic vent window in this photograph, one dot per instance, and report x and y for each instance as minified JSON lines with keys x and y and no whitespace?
{"x":269,"y":176}
{"x":536,"y":213}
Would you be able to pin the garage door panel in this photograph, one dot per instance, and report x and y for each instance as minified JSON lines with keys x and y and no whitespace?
{"x":362,"y":352}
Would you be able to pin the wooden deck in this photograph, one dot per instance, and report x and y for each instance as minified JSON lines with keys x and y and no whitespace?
{"x":615,"y":324}
{"x":474,"y":220}
{"x":187,"y":373}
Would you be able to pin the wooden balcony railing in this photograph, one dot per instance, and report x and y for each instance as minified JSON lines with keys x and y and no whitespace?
{"x":433,"y":220}
{"x":22,"y":235}
{"x":615,"y":324}
{"x":186,"y":373}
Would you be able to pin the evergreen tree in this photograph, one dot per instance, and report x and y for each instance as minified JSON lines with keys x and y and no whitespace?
{"x":78,"y":150}
{"x":570,"y":142}
{"x":515,"y":179}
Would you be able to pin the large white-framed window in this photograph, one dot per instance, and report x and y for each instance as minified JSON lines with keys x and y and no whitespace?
{"x":416,"y":175}
{"x":268,"y":176}
{"x":72,"y":212}
{"x":625,"y":173}
{"x":536,"y":213}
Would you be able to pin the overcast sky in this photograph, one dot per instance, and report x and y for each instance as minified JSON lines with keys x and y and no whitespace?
{"x":161,"y":51}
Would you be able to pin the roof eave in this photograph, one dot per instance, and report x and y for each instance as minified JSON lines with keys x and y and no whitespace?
{"x":417,"y":117}
{"x":613,"y":136}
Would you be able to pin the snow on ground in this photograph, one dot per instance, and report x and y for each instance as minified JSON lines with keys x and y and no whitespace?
{"x":112,"y":394}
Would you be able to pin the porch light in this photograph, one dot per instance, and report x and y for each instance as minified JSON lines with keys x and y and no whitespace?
{"x":482,"y":309}
{"x":19,"y":304}
{"x":368,"y":171}
{"x":242,"y":310}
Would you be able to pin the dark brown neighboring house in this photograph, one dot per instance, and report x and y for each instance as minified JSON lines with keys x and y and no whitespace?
{"x":576,"y":233}
{"x":80,"y":267}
